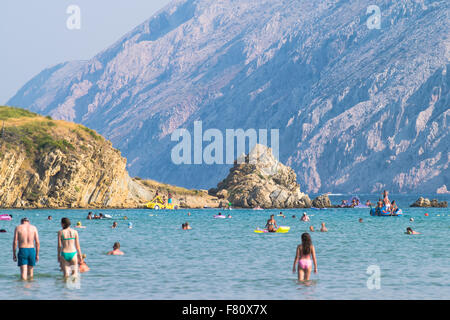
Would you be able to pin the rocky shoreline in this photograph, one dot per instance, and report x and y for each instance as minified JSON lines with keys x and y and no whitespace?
{"x":426,"y":203}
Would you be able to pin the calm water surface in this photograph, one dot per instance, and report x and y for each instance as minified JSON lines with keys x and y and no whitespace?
{"x":225,"y":259}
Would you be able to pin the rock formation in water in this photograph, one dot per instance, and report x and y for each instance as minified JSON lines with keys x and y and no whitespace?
{"x":322,"y":201}
{"x":261,"y":180}
{"x":426,"y":203}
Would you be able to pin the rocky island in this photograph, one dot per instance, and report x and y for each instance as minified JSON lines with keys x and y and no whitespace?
{"x":261,"y":181}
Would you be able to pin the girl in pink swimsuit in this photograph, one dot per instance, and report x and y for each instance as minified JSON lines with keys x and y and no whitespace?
{"x":303,"y":258}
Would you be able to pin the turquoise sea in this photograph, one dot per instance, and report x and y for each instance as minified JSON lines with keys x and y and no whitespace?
{"x":225,"y":259}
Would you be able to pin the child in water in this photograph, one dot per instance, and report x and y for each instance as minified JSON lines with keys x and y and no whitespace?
{"x":83,"y":267}
{"x":116,"y":250}
{"x":303,"y":258}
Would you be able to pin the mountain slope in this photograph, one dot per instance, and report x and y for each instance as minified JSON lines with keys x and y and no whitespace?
{"x":358,"y":109}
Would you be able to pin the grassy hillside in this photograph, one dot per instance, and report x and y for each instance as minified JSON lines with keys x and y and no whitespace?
{"x":24,"y":129}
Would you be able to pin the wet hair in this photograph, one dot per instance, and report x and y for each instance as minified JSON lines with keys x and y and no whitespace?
{"x":306,"y":244}
{"x":409,"y":229}
{"x":116,"y":245}
{"x":24,"y":220}
{"x":65,"y":223}
{"x":183,"y":225}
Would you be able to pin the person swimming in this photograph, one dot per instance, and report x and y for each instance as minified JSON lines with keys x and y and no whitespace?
{"x":69,"y":251}
{"x":323,"y":228}
{"x":411,"y":231}
{"x":304,"y":217}
{"x":271,"y":224}
{"x":116,"y":250}
{"x":89,"y":216}
{"x":79,"y":225}
{"x":360,"y":220}
{"x":311,"y":228}
{"x":303,"y":256}
{"x":114,"y":225}
{"x":49,"y":218}
{"x":82,"y":266}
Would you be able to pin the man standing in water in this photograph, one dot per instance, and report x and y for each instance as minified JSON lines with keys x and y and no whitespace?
{"x":26,"y":236}
{"x":386,"y":201}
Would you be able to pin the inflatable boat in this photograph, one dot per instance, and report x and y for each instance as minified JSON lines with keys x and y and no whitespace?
{"x":383,"y":212}
{"x":5,"y":217}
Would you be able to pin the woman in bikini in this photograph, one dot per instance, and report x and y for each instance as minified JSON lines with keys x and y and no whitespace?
{"x":271,"y":224}
{"x":69,"y":251}
{"x":303,"y":258}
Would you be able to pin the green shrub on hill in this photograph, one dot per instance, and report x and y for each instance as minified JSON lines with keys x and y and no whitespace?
{"x":10,"y":113}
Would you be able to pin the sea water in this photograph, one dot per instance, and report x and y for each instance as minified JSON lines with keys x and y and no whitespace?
{"x":225,"y":259}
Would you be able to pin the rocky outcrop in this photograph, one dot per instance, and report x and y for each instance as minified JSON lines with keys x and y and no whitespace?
{"x":56,"y":164}
{"x":261,"y":180}
{"x":59,"y":164}
{"x":426,"y":203}
{"x":322,"y":201}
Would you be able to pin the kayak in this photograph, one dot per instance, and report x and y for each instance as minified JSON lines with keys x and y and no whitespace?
{"x":281,"y":229}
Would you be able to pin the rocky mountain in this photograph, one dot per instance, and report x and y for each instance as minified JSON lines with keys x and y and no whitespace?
{"x":260,"y":180}
{"x":59,"y":164}
{"x":358,"y":108}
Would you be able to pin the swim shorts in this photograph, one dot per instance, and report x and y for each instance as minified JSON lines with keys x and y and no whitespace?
{"x":27,"y":256}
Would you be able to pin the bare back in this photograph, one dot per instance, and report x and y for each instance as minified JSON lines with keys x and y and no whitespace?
{"x":68,"y":239}
{"x":26,"y":234}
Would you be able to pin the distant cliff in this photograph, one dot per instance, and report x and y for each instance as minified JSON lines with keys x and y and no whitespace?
{"x":59,"y":164}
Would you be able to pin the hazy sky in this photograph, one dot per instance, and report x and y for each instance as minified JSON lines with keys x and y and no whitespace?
{"x":34,"y":34}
